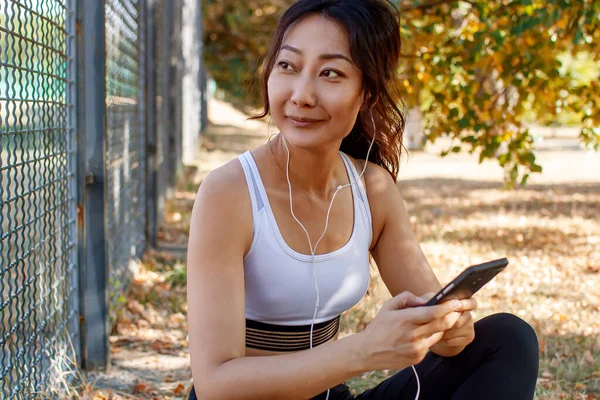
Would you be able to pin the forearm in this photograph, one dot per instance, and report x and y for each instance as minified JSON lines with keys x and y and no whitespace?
{"x":299,"y":375}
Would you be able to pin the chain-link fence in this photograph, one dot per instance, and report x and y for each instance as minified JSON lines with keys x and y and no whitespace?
{"x":90,"y":145}
{"x":125,"y":146}
{"x":38,"y":254}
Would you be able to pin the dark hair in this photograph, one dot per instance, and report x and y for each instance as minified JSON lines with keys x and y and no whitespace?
{"x":374,"y":35}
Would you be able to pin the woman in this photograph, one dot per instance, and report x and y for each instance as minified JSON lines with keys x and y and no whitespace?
{"x":280,"y":240}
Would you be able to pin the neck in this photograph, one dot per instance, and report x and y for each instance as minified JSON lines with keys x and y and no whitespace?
{"x":315,"y":172}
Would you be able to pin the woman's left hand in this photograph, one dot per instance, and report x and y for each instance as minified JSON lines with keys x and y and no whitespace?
{"x":460,"y":334}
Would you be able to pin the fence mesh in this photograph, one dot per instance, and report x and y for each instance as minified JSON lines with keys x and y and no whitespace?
{"x":162,"y":45}
{"x":45,"y":174}
{"x":125,"y":169}
{"x":38,"y":214}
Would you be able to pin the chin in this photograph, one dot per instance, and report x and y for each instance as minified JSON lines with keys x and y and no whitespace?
{"x":305,"y":138}
{"x":318,"y":137}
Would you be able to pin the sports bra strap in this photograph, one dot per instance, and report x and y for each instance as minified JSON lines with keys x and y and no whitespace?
{"x":362,"y":191}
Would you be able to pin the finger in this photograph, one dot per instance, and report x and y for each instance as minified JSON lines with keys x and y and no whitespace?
{"x":465,"y":335}
{"x":454,"y":333}
{"x":437,"y":325}
{"x":401,"y":301}
{"x":448,"y":335}
{"x":465,"y":330}
{"x":432,"y":339}
{"x":469,"y":304}
{"x":427,"y":296}
{"x":464,"y":319}
{"x":416,"y":302}
{"x":424,"y":315}
{"x":458,"y":341}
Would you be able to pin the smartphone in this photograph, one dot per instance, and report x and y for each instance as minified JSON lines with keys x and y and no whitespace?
{"x":469,"y":281}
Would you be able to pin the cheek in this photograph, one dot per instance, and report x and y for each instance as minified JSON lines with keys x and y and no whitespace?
{"x":344,"y":106}
{"x":277,"y":92}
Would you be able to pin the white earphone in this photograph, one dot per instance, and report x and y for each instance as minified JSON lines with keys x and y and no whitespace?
{"x":313,"y":250}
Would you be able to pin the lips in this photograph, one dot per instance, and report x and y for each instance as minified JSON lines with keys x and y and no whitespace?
{"x":301,"y":122}
{"x":302,"y":119}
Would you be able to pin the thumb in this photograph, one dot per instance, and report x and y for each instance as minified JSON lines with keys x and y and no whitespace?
{"x":401,"y":301}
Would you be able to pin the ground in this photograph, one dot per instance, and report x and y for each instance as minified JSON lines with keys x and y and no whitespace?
{"x":549,"y":230}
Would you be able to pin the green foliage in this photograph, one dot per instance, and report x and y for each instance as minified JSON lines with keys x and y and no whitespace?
{"x":478,"y":69}
{"x":178,"y":275}
{"x":236,"y":37}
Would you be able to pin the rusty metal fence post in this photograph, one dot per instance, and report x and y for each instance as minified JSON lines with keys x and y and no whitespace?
{"x":92,"y":126}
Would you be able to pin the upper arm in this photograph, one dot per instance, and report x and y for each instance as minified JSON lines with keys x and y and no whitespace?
{"x":397,"y":253}
{"x":220,"y":233}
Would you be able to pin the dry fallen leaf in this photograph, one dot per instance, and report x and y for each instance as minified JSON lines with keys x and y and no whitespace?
{"x":588,"y":357}
{"x":547,"y":374}
{"x":161,"y":345}
{"x":180,"y":389}
{"x":142,"y":387}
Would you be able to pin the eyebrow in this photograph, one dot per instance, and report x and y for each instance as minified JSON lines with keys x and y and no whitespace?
{"x":321,"y":57}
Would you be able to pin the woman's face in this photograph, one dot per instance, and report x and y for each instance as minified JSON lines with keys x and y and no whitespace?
{"x":315,"y":89}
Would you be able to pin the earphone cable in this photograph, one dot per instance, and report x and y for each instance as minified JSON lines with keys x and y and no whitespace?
{"x":313,"y":250}
{"x":418,"y":382}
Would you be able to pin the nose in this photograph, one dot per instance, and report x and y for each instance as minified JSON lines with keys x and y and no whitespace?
{"x":304,"y":93}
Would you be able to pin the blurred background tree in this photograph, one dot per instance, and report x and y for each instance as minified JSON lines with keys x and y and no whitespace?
{"x":481,"y":71}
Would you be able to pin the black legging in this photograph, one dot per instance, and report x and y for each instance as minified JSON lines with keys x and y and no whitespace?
{"x":501,"y":363}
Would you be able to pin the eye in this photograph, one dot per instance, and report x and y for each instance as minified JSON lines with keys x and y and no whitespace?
{"x":328,"y":73}
{"x":284,"y":65}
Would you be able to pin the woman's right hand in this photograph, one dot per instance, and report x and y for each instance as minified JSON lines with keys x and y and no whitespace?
{"x":402,"y":332}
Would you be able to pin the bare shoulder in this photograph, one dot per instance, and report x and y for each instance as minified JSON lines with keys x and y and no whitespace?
{"x":382,"y":193}
{"x":223,"y":204}
{"x":377,"y":180}
{"x":226,"y":182}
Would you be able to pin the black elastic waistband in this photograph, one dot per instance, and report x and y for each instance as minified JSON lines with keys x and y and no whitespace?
{"x":264,"y":336}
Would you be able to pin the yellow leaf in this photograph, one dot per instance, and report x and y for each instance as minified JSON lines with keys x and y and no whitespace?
{"x":530,"y":41}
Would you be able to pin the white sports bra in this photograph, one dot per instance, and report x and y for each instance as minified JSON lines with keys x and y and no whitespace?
{"x":279,"y":282}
